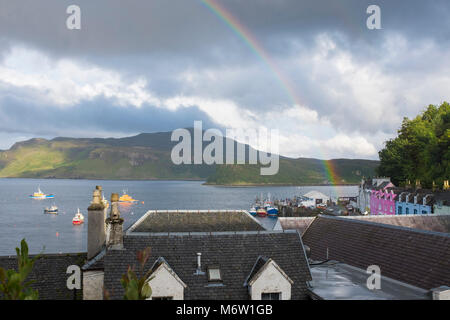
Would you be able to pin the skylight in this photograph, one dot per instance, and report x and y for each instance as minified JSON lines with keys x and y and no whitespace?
{"x":214,"y":274}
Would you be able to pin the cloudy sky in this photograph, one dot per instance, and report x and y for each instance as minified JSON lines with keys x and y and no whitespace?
{"x":311,"y":69}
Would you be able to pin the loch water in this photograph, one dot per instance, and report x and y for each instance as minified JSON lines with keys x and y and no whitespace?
{"x":23,"y":217}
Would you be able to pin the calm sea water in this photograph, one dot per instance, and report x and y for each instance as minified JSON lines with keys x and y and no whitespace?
{"x":23,"y":217}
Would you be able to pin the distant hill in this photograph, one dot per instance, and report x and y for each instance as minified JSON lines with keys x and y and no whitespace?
{"x":147,"y":156}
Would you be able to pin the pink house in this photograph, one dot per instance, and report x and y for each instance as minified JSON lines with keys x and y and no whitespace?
{"x":382,"y":200}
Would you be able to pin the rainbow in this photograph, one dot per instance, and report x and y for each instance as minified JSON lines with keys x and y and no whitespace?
{"x":243,"y":33}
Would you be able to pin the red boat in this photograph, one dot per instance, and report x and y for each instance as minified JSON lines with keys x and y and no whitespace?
{"x":78,"y":219}
{"x":261,"y":212}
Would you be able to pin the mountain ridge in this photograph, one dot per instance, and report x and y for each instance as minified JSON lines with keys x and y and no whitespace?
{"x":146,"y":156}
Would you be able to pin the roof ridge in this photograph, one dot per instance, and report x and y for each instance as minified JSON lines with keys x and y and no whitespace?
{"x":389,"y":226}
{"x":207,"y":233}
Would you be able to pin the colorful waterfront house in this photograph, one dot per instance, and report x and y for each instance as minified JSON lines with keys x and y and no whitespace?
{"x":366,"y":187}
{"x":382,"y":200}
{"x":442,"y":202}
{"x":415,"y":202}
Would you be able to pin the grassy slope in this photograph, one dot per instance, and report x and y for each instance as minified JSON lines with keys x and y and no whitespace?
{"x":147,"y":156}
{"x":297,"y":172}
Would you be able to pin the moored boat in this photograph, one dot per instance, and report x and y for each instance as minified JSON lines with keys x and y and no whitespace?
{"x":40,"y":195}
{"x":252,"y":211}
{"x":272,"y":212}
{"x":53,"y":210}
{"x":261,"y":212}
{"x":78,"y":219}
{"x":126,"y":198}
{"x":268,"y":206}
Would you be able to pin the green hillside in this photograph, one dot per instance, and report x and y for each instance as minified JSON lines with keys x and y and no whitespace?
{"x":147,"y":156}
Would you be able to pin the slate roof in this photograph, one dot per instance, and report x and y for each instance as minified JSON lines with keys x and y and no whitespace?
{"x":234,"y":253}
{"x":50,"y":275}
{"x":260,"y":262}
{"x":297,"y":223}
{"x":382,"y":185}
{"x":417,"y":257}
{"x":196,"y":221}
{"x":430,"y":222}
{"x":443,"y":196}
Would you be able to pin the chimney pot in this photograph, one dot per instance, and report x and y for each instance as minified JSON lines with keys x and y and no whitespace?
{"x":114,"y":197}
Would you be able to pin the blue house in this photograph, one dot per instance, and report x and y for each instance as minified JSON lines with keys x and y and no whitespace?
{"x":414,"y":202}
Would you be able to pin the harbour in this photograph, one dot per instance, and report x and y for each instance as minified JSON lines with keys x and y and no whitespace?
{"x":23,"y":217}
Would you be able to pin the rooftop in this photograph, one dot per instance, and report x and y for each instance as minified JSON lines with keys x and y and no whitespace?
{"x":338,"y":281}
{"x":297,"y":223}
{"x":235,"y":254}
{"x":417,"y":257}
{"x":156,"y":221}
{"x":429,"y":222}
{"x":49,"y":274}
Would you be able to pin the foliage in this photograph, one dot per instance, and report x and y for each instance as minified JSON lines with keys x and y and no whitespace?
{"x":137,"y":288}
{"x":12,"y":284}
{"x":421,"y":151}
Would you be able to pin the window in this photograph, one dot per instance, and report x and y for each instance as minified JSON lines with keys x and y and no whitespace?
{"x":415,"y":211}
{"x":407,"y":210}
{"x":271,"y":296}
{"x":399,"y":210}
{"x":424,"y":212}
{"x":214,"y":274}
{"x":162,"y":298}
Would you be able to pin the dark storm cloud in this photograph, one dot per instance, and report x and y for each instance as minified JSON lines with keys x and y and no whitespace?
{"x":89,"y":118}
{"x":182,"y":48}
{"x":177,"y":27}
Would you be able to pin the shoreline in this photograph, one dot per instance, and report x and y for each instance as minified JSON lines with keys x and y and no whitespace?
{"x":249,"y":185}
{"x":280,"y":185}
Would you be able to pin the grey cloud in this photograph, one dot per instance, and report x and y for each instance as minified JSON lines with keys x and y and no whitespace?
{"x":89,"y":118}
{"x":162,"y":39}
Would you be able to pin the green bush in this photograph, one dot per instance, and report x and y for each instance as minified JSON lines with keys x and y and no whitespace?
{"x":137,"y":288}
{"x":13,"y":285}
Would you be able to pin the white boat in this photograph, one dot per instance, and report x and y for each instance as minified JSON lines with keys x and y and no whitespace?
{"x":79,"y":218}
{"x":40,"y":195}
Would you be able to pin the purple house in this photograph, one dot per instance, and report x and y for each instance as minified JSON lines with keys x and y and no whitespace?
{"x":382,"y":199}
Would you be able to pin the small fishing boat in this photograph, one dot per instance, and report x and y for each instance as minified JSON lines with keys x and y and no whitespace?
{"x":40,"y":195}
{"x":78,"y":219}
{"x":252,"y":211}
{"x":126,"y":198}
{"x":53,"y":209}
{"x":268,"y":206}
{"x":261,"y":212}
{"x":272,"y":212}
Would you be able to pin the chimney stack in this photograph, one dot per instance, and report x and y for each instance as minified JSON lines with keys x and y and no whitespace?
{"x":199,"y":271}
{"x":114,"y":223}
{"x":446,"y":186}
{"x":418,"y":185}
{"x":96,"y":224}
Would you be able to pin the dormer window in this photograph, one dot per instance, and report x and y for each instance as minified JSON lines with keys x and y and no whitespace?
{"x":267,"y":281}
{"x":165,"y":283}
{"x":214,"y":274}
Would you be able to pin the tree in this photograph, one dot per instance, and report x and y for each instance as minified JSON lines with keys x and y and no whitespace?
{"x":13,"y":285}
{"x":137,"y":288}
{"x":421,"y":151}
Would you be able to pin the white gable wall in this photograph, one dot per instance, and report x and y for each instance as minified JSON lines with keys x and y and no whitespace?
{"x":93,"y":285}
{"x":165,"y":284}
{"x":271,"y":280}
